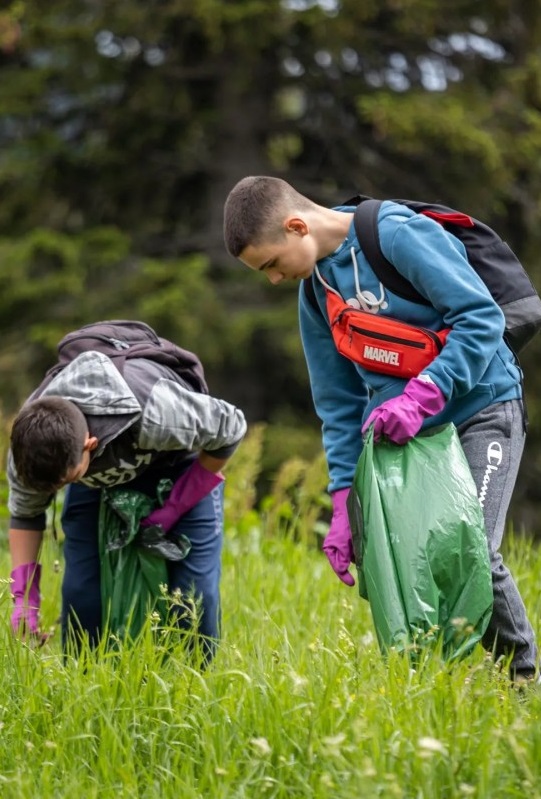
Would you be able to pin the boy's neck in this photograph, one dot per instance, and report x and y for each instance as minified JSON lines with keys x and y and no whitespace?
{"x":331,"y":229}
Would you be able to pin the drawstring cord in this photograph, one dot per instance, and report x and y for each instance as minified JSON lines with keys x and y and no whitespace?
{"x":361,"y":300}
{"x":324,"y":283}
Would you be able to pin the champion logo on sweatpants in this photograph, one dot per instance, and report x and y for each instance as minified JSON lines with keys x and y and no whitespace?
{"x":494,"y":459}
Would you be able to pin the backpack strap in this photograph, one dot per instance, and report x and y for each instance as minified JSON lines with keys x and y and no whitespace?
{"x":310,"y":293}
{"x":365,"y":220}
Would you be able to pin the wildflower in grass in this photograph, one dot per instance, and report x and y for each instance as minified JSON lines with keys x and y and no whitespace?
{"x":176,"y":596}
{"x":261,"y":746}
{"x":369,"y":770}
{"x":298,"y":683}
{"x":346,"y":643}
{"x":367,"y":639}
{"x":236,"y":653}
{"x":332,"y":744}
{"x":429,"y":746}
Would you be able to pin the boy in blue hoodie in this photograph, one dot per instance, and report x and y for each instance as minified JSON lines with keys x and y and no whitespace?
{"x":475,"y":382}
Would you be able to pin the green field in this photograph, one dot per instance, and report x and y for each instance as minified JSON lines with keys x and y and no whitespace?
{"x":299,"y":702}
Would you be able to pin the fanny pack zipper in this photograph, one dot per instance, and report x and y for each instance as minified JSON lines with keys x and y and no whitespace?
{"x":397,"y":340}
{"x":384,"y":337}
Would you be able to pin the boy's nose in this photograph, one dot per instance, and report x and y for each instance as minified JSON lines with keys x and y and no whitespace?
{"x":274,"y":277}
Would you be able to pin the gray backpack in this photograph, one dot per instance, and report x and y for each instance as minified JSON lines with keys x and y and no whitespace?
{"x":122,"y":339}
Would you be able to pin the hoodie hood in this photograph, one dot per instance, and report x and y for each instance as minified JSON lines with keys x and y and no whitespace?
{"x":93,"y":383}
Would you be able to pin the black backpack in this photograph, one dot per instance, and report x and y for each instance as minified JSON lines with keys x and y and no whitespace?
{"x":122,"y":339}
{"x":493,"y":260}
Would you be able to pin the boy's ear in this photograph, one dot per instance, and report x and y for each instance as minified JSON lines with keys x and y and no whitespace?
{"x":90,"y":444}
{"x":294,"y":224}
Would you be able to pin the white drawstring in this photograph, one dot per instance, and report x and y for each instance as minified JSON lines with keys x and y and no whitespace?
{"x":362,"y":302}
{"x":324,"y":283}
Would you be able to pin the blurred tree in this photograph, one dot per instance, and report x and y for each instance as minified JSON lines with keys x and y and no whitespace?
{"x":122,"y":128}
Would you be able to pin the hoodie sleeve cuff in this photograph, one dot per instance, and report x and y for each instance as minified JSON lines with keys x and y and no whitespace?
{"x":223,"y":452}
{"x":29,"y":523}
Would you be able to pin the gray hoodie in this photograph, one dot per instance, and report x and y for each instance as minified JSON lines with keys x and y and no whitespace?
{"x":138,"y":417}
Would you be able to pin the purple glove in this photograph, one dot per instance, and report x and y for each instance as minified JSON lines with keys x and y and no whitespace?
{"x":25,"y":590}
{"x":338,"y":545}
{"x":402,"y":417}
{"x":189,"y":489}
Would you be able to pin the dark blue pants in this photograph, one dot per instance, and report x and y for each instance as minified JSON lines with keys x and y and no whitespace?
{"x":197,"y":575}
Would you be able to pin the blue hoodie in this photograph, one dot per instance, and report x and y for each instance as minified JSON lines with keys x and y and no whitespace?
{"x":474,"y":369}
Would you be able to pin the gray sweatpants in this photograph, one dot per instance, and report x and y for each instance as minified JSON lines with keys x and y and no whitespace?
{"x":493,"y":441}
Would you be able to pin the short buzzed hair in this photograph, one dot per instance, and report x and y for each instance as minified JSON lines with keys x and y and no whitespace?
{"x":47,"y":441}
{"x":255,"y":210}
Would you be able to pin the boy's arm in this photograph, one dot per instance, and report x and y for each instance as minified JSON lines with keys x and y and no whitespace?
{"x":24,"y":545}
{"x":27,"y":523}
{"x":175,"y":418}
{"x":340,"y":396}
{"x":211,"y":463}
{"x":435,"y":264}
{"x":199,"y":479}
{"x":339,"y":393}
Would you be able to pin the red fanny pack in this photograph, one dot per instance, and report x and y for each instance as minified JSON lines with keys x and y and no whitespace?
{"x":379,"y":343}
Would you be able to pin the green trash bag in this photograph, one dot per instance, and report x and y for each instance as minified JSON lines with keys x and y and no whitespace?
{"x":420,"y":545}
{"x":133,"y":560}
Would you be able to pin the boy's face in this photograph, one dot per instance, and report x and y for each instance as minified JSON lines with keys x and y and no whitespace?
{"x":290,"y":257}
{"x":81,"y":469}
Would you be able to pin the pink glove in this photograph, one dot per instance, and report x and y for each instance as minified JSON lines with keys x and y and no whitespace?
{"x":402,"y":417}
{"x":338,"y":545}
{"x":189,"y":489}
{"x":25,"y":590}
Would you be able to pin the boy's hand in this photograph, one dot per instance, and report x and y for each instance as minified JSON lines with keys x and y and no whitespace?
{"x":190,"y":488}
{"x":25,"y":589}
{"x":338,"y":545}
{"x":401,"y":418}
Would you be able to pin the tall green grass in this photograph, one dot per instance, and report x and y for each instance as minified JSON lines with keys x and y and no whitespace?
{"x":298,"y":702}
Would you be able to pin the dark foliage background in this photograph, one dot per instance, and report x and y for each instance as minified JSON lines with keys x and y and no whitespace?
{"x":124,"y":125}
